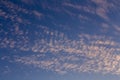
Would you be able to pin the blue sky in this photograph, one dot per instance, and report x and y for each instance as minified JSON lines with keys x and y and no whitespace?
{"x":59,"y":40}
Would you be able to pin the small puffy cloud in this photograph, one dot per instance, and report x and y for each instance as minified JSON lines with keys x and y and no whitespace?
{"x":53,"y":49}
{"x":74,"y":55}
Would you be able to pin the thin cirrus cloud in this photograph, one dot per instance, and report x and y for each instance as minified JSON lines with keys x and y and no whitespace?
{"x":102,"y":9}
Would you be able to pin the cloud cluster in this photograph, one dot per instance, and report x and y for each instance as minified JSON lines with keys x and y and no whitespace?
{"x":84,"y":55}
{"x":54,"y":50}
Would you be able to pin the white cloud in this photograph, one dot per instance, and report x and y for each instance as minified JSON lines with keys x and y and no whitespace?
{"x":67,"y":55}
{"x":89,"y":53}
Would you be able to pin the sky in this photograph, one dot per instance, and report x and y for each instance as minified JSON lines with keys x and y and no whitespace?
{"x":59,"y":40}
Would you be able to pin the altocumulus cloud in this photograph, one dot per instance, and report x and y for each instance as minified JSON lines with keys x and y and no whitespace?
{"x":87,"y":53}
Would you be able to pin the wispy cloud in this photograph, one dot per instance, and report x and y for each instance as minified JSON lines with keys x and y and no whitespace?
{"x":102,"y":8}
{"x":38,"y":14}
{"x":88,"y":8}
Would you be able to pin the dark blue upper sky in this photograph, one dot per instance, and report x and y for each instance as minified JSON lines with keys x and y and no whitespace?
{"x":59,"y":40}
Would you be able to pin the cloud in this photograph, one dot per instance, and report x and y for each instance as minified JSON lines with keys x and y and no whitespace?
{"x":88,"y":8}
{"x":103,"y":8}
{"x":14,"y":13}
{"x":102,"y":13}
{"x":89,"y":53}
{"x":105,"y":25}
{"x":53,"y":49}
{"x":28,"y":1}
{"x":36,"y":13}
{"x":117,"y":28}
{"x":67,"y":55}
{"x":7,"y":70}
